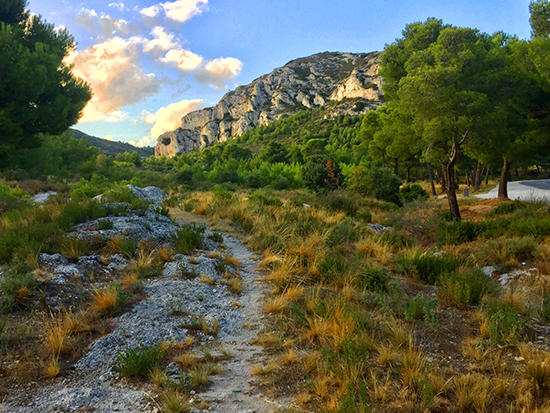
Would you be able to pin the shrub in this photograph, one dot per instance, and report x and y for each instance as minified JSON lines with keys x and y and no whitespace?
{"x":260,"y":198}
{"x":384,"y":184}
{"x":530,"y":226}
{"x":18,"y":285}
{"x":507,"y":208}
{"x":413,"y":192}
{"x":504,"y":324}
{"x":456,"y":233}
{"x":375,"y":279}
{"x":139,"y":362}
{"x":422,"y":308}
{"x":188,"y":238}
{"x":339,"y":203}
{"x":427,"y":267}
{"x":466,"y":287}
{"x":320,"y":173}
{"x":364,"y":216}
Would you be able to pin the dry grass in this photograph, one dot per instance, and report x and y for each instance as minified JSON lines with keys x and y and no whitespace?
{"x":52,"y":367}
{"x":473,"y":392}
{"x":233,"y":262}
{"x":276,"y":304}
{"x":166,"y":253}
{"x":270,"y":367}
{"x":213,"y":254}
{"x":236,"y":285}
{"x":372,"y":247}
{"x":207,"y":280}
{"x":114,"y":246}
{"x":105,"y":300}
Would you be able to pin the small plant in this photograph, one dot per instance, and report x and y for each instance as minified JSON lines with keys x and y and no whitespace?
{"x":107,"y":300}
{"x":422,"y":308}
{"x":188,"y":238}
{"x":466,"y":287}
{"x":216,"y":237}
{"x":473,"y":392}
{"x":504,"y":324}
{"x":162,"y":211}
{"x":413,"y":192}
{"x":104,"y":224}
{"x":139,"y":362}
{"x":17,"y":285}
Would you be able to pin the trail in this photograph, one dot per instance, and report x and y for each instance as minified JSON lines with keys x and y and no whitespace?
{"x":92,"y":385}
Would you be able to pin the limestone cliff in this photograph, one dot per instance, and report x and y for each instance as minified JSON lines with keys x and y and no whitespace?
{"x":340,"y":82}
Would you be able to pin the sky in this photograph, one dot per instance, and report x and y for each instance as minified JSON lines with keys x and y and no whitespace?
{"x":149,"y":63}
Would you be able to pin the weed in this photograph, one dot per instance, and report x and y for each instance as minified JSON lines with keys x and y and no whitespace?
{"x":473,"y":392}
{"x":422,"y":308}
{"x":504,"y":324}
{"x":188,"y":238}
{"x":467,"y":287}
{"x":216,"y":237}
{"x":139,"y":362}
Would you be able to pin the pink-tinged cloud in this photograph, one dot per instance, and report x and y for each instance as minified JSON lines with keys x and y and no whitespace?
{"x":184,"y":60}
{"x":161,"y":42}
{"x":218,"y":71}
{"x":169,"y":117}
{"x":113,"y":71}
{"x":104,"y":25}
{"x":179,"y":10}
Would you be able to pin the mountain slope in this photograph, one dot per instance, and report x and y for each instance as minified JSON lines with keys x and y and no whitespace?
{"x":112,"y":148}
{"x":310,"y":82}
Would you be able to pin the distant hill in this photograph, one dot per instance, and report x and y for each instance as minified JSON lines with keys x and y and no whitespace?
{"x":340,"y":83}
{"x":112,"y":148}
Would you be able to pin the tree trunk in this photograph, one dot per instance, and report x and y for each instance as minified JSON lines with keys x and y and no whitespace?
{"x":431,"y":174}
{"x":503,"y":183}
{"x":487,"y":176}
{"x":443,"y":181}
{"x":477,"y":177}
{"x":450,"y":177}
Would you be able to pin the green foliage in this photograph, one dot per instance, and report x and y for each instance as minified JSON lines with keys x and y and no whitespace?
{"x":216,"y":237}
{"x":505,"y":325}
{"x":33,"y":49}
{"x":413,"y":192}
{"x":544,"y":311}
{"x":540,"y":18}
{"x":507,"y":208}
{"x":422,"y":308}
{"x":260,"y":198}
{"x":427,"y":267}
{"x":467,"y":287}
{"x":340,"y":202}
{"x":375,"y":279}
{"x":342,"y":234}
{"x":18,"y":284}
{"x":139,"y":362}
{"x":188,"y":238}
{"x":320,"y":173}
{"x":380,"y":183}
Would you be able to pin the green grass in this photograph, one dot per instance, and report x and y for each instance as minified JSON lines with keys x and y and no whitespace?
{"x":467,"y":287}
{"x":139,"y":362}
{"x":188,"y":238}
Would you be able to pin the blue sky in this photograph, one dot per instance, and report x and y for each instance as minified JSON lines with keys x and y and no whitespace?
{"x":151,"y":62}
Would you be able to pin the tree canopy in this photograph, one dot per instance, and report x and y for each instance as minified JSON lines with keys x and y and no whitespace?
{"x":38,"y":92}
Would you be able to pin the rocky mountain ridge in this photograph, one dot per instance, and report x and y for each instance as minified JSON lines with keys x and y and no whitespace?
{"x":339,"y":82}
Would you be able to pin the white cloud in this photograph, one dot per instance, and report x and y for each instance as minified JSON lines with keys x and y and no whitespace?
{"x":103,"y":24}
{"x":169,"y":117}
{"x":152,"y":11}
{"x":145,"y":141}
{"x":179,"y":10}
{"x":183,"y":10}
{"x":119,"y":6}
{"x":218,"y":71}
{"x":162,"y":41}
{"x":113,"y":71}
{"x":183,"y":59}
{"x":116,"y":116}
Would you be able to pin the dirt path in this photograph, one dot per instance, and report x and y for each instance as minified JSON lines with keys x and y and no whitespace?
{"x":233,"y":391}
{"x":93,"y":386}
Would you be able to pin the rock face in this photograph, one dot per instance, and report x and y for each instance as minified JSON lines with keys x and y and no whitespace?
{"x":340,"y":82}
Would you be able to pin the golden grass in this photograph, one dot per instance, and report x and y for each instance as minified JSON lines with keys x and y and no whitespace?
{"x":473,"y":392}
{"x":236,"y":285}
{"x":276,"y":304}
{"x":207,"y":280}
{"x":413,"y":364}
{"x":373,"y":248}
{"x":114,"y":246}
{"x":213,"y":254}
{"x":388,"y":355}
{"x":194,"y":260}
{"x":262,"y":370}
{"x":290,"y":357}
{"x":166,"y":253}
{"x":130,"y":279}
{"x":105,"y":300}
{"x":52,"y":367}
{"x":233,"y":262}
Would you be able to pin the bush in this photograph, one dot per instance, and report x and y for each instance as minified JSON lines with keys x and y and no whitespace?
{"x":384,"y":184}
{"x":139,"y":362}
{"x":504,"y":324}
{"x":364,"y":216}
{"x":536,"y":227}
{"x":467,"y":287}
{"x":260,"y":198}
{"x":320,"y":173}
{"x":18,"y":285}
{"x":427,"y":267}
{"x":339,"y":203}
{"x":188,"y":238}
{"x":413,"y":192}
{"x":507,"y":208}
{"x":374,"y":279}
{"x":422,"y":308}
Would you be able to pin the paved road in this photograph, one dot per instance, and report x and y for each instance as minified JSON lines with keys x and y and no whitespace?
{"x":523,"y":190}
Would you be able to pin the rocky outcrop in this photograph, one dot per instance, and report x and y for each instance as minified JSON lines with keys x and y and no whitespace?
{"x":341,"y":79}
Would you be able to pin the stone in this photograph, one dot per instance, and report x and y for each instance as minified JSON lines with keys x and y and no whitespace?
{"x":307,"y":82}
